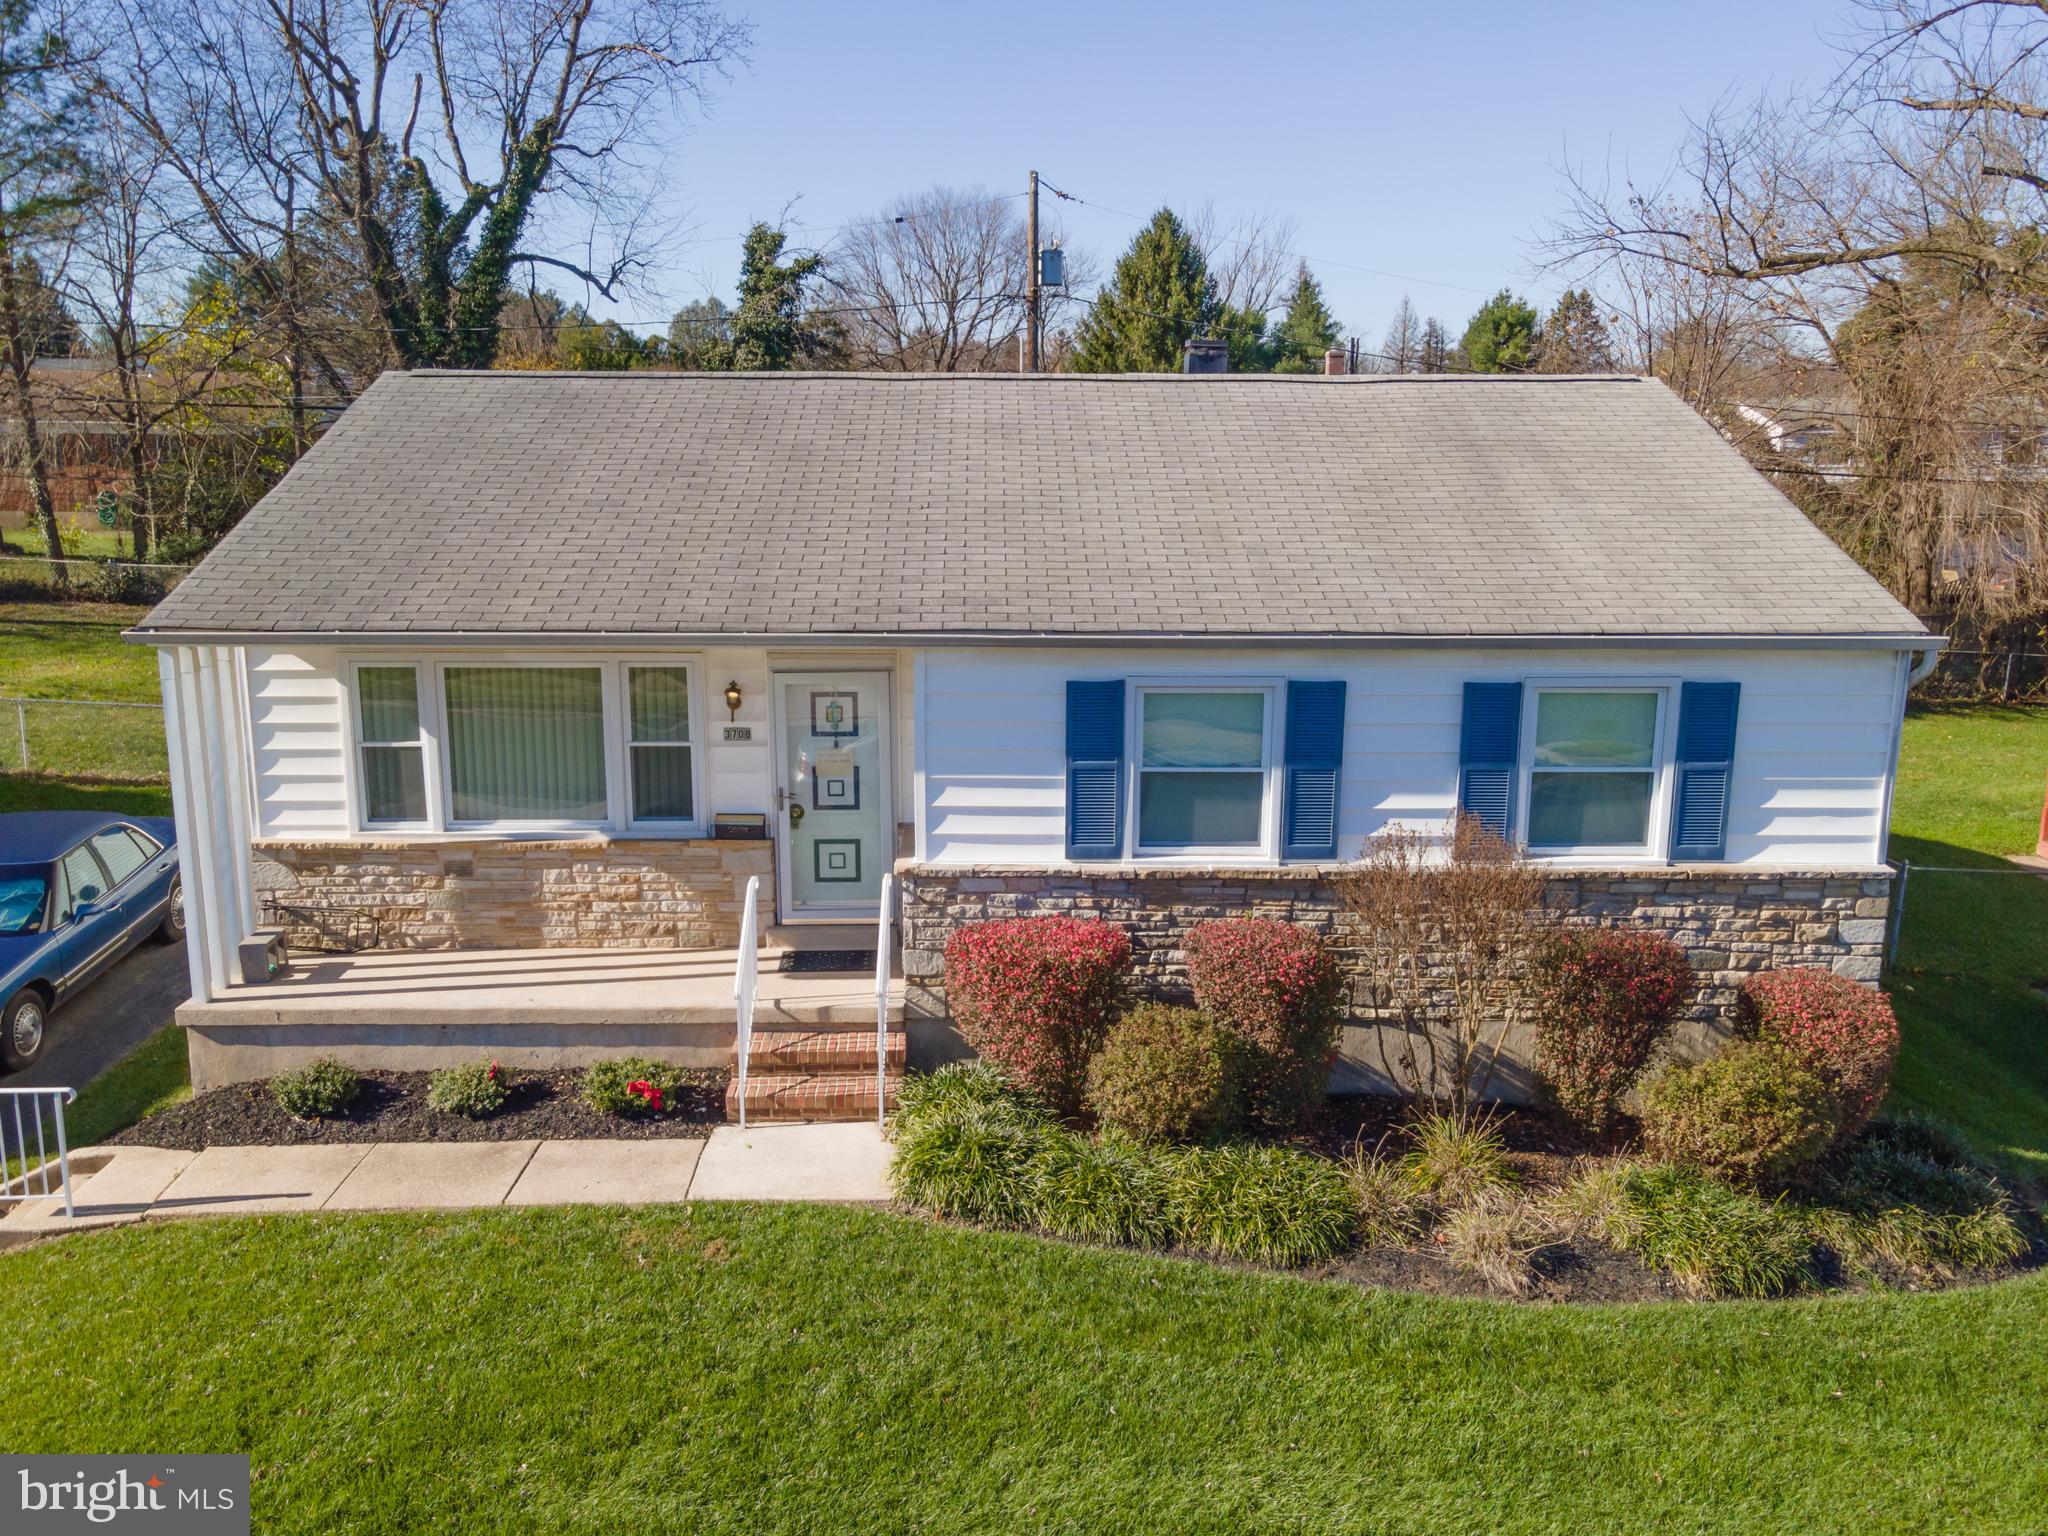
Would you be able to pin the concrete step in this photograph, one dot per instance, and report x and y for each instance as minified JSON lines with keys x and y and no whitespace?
{"x":785,"y":1098}
{"x":807,"y":1051}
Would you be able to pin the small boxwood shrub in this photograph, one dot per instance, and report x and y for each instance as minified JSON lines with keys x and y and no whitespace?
{"x":1036,"y":995}
{"x":1714,"y":1240}
{"x":1108,"y":1191}
{"x":316,"y":1091}
{"x":1165,"y":1075}
{"x":1277,"y":987}
{"x":1265,"y":1204}
{"x":1605,"y":998}
{"x":1755,"y":1114}
{"x":475,"y":1091}
{"x":632,"y":1086}
{"x":1844,"y":1030}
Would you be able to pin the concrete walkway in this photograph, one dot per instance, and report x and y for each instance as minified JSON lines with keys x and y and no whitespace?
{"x":118,"y":1185}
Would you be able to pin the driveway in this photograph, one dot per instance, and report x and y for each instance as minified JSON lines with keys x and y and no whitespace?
{"x":97,"y":1027}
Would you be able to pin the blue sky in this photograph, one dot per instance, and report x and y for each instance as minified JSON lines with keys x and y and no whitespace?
{"x":1418,"y":140}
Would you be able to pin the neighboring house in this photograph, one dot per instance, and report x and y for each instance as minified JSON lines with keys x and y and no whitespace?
{"x":1161,"y":647}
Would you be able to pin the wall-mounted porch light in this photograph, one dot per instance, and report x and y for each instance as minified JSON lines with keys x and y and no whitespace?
{"x":732,"y":699}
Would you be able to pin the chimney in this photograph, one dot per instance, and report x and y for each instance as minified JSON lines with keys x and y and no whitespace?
{"x":1205,"y":354}
{"x":1333,"y":362}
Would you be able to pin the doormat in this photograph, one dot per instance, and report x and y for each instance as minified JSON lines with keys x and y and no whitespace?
{"x":809,"y":961}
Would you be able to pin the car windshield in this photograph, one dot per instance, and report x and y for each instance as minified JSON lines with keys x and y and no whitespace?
{"x":22,"y":892}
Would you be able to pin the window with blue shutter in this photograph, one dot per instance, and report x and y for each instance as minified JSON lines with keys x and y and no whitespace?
{"x":1488,"y":745}
{"x":1095,"y":769}
{"x":1314,"y":764}
{"x":1706,"y":763}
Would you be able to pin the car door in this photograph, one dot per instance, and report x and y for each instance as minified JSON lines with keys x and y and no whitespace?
{"x":88,"y":927}
{"x":135,"y":884}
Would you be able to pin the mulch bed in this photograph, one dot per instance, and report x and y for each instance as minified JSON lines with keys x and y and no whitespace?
{"x":392,"y":1106}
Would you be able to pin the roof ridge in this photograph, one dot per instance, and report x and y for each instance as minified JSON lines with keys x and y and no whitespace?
{"x":876,"y":375}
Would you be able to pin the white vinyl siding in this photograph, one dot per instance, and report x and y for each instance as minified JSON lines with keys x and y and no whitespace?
{"x":1812,"y":758}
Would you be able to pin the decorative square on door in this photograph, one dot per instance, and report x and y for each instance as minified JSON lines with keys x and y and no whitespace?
{"x":836,"y":861}
{"x":835,"y":714}
{"x":835,"y":789}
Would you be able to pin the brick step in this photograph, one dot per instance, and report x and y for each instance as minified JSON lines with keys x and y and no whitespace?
{"x":788,"y":1097}
{"x":808,"y":1051}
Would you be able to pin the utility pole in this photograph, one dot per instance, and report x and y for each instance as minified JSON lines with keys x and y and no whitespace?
{"x":1031,"y":280}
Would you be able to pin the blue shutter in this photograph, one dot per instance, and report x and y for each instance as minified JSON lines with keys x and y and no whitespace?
{"x":1706,"y":760}
{"x":1487,"y":748}
{"x":1095,"y":770}
{"x":1315,"y":757}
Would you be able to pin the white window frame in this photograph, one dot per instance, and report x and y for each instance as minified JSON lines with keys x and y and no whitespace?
{"x":1268,"y":849}
{"x":431,"y":670}
{"x":1656,"y":849}
{"x":358,"y":810}
{"x":627,"y":742}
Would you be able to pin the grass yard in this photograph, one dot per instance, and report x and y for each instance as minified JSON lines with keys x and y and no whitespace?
{"x":82,"y":540}
{"x":74,"y":651}
{"x":1974,"y":945}
{"x":62,"y":653}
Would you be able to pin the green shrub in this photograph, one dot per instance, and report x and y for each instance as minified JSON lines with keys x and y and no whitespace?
{"x":1108,"y":1191}
{"x":1265,"y":1204}
{"x":1455,"y":1161}
{"x":632,"y":1086}
{"x":1275,"y":986}
{"x":1882,"y":1198}
{"x":475,"y":1091}
{"x":1923,"y":1136}
{"x":1390,"y":1207}
{"x":1714,"y":1240}
{"x":972,"y":1161}
{"x":1165,"y":1075}
{"x":958,"y":1086}
{"x":1755,"y":1114}
{"x":316,"y":1091}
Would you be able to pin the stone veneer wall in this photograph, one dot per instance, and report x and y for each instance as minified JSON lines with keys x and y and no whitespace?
{"x":1729,"y":921}
{"x":429,"y":893}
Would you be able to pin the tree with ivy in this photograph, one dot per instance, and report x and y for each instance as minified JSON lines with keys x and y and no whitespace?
{"x":1501,"y":337}
{"x":1159,"y":297}
{"x":772,"y":328}
{"x":1307,"y":331}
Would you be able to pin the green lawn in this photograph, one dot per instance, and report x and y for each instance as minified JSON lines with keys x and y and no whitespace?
{"x":1973,"y":945}
{"x":73,"y":651}
{"x":82,"y":541}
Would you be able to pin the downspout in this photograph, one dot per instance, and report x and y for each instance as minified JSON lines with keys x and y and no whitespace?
{"x":1910,"y":672}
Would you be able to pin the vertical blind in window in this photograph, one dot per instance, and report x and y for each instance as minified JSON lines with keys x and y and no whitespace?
{"x":526,"y":743}
{"x":658,"y":700}
{"x":394,"y":762}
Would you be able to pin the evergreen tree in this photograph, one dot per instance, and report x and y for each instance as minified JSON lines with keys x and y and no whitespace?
{"x":769,"y":330}
{"x":1308,"y":331}
{"x":1574,"y":338}
{"x":1433,"y":354}
{"x":1160,"y":295}
{"x":1251,"y":349}
{"x":1502,"y":336}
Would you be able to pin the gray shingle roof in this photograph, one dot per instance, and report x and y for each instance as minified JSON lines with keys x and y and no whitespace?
{"x":869,"y":504}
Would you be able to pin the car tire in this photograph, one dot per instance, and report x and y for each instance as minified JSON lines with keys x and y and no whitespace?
{"x":24,"y":1026}
{"x":172,"y":928}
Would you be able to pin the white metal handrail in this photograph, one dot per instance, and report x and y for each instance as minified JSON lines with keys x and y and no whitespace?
{"x":882,"y":1000}
{"x":33,"y":1183}
{"x":745,"y":980}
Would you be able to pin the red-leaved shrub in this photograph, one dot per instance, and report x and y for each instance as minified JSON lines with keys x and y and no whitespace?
{"x":1844,"y":1030}
{"x":1036,"y":995}
{"x":1604,"y":998}
{"x":1277,"y":988}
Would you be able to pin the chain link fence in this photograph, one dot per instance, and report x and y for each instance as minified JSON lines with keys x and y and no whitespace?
{"x":1968,"y":674}
{"x":86,"y":739}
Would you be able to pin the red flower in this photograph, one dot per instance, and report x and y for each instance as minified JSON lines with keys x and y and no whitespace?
{"x":647,"y":1091}
{"x":492,"y":1075}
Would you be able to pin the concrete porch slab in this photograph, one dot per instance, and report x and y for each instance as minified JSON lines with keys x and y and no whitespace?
{"x":241,"y":1181}
{"x":607,"y":1173}
{"x":794,"y":1162}
{"x":432,"y":1176}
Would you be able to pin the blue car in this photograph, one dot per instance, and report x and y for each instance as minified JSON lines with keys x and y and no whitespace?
{"x":78,"y":890}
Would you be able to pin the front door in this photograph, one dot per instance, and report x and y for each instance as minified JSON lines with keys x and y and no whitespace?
{"x":837,"y":825}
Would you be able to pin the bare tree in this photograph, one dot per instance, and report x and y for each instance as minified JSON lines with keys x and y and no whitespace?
{"x":1401,"y":350}
{"x":1250,"y":257}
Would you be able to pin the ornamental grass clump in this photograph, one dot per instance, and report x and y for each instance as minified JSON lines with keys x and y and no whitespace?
{"x":1107,"y":1191}
{"x":1712,"y":1239}
{"x":475,"y":1091}
{"x":960,"y":1085}
{"x":1277,"y":988}
{"x":1166,"y":1075}
{"x":1604,"y":999}
{"x":1263,"y":1204}
{"x":1840,"y":1028}
{"x":632,"y":1086}
{"x":1036,"y":996}
{"x":1754,"y":1115}
{"x":319,"y":1090}
{"x":972,"y":1160}
{"x":1453,"y":1162}
{"x":1917,"y":1200}
{"x":1496,"y":1236}
{"x":1390,"y":1208}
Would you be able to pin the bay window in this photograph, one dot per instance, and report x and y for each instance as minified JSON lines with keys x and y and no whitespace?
{"x":1203,"y":767}
{"x":1593,"y":769}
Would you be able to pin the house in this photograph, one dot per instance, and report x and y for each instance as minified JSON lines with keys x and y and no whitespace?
{"x":485,"y":672}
